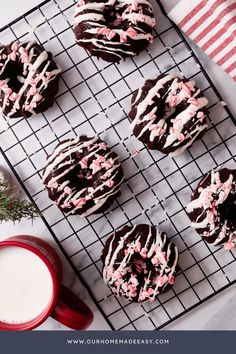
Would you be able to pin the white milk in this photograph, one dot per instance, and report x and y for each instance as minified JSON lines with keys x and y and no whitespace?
{"x":25,"y":285}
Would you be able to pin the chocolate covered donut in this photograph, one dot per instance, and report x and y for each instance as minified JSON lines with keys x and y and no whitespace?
{"x":29,"y":79}
{"x":139,"y":263}
{"x":168,"y":113}
{"x":212,"y":209}
{"x":113,"y":29}
{"x":83,"y":176}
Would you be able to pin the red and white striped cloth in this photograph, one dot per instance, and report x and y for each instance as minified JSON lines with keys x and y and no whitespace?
{"x":212,"y":25}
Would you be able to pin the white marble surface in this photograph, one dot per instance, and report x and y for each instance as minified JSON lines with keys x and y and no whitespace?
{"x":216,"y":313}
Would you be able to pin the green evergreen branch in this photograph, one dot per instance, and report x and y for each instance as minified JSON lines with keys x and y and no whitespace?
{"x":14,"y":209}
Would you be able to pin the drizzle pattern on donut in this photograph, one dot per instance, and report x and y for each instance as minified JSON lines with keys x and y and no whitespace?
{"x":28,"y":79}
{"x":213,"y":208}
{"x":114,"y":29}
{"x":139,"y":263}
{"x":168,"y":113}
{"x":83,"y":176}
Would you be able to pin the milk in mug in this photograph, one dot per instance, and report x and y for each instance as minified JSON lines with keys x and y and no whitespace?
{"x":26,"y":286}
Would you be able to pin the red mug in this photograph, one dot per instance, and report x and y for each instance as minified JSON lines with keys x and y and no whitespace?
{"x":64,"y":306}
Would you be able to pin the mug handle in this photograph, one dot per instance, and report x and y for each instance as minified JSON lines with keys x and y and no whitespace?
{"x":71,"y":311}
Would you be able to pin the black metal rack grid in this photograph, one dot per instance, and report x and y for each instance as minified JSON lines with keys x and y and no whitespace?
{"x":94,"y":98}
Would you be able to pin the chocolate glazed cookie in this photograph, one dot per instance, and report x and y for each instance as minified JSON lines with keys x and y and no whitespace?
{"x":212,"y":209}
{"x":29,"y":79}
{"x":83,"y":176}
{"x":113,"y":29}
{"x":139,"y":263}
{"x":168,"y":113}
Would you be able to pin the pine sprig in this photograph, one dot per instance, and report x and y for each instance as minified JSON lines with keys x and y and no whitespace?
{"x":13,"y":208}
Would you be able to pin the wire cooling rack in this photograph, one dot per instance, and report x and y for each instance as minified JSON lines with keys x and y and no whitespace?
{"x":94,"y":98}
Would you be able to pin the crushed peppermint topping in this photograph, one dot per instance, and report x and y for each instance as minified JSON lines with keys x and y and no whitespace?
{"x":210,"y":203}
{"x":137,"y":267}
{"x":173,"y":101}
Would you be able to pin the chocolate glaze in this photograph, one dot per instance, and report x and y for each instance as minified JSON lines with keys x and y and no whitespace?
{"x":29,"y":79}
{"x":139,"y":263}
{"x":113,"y":29}
{"x":83,"y":176}
{"x":212,"y":209}
{"x":168,"y":113}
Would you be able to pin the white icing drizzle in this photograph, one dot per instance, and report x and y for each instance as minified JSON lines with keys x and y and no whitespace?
{"x":119,"y":263}
{"x":101,"y":35}
{"x":34,"y":83}
{"x":174,"y":134}
{"x":206,"y":207}
{"x":142,"y":106}
{"x":72,"y":199}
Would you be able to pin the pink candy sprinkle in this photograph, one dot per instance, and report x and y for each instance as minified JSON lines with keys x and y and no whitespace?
{"x":200,"y":115}
{"x":157,"y":130}
{"x":37,"y":97}
{"x":108,"y":164}
{"x":110,"y":183}
{"x":193,"y":101}
{"x":181,"y":137}
{"x":162,"y":280}
{"x":4,"y":87}
{"x":111,"y":34}
{"x":79,"y":202}
{"x":100,"y":159}
{"x":137,"y":246}
{"x":24,"y":55}
{"x":129,"y":8}
{"x":84,"y":162}
{"x":106,"y":32}
{"x":143,"y":252}
{"x":123,"y":37}
{"x":185,"y":87}
{"x":13,"y":96}
{"x":107,"y":174}
{"x":117,"y":275}
{"x":64,"y":206}
{"x":102,"y":146}
{"x":81,"y":2}
{"x":229,"y":245}
{"x":173,"y":101}
{"x":32,"y":91}
{"x":159,"y":259}
{"x":151,"y":116}
{"x":142,"y":297}
{"x":124,"y":286}
{"x":95,"y":168}
{"x":33,"y":82}
{"x":171,"y":279}
{"x":155,"y":260}
{"x":68,"y":190}
{"x":150,"y":291}
{"x":14,"y":47}
{"x":133,"y":293}
{"x":12,"y":56}
{"x":131,"y":32}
